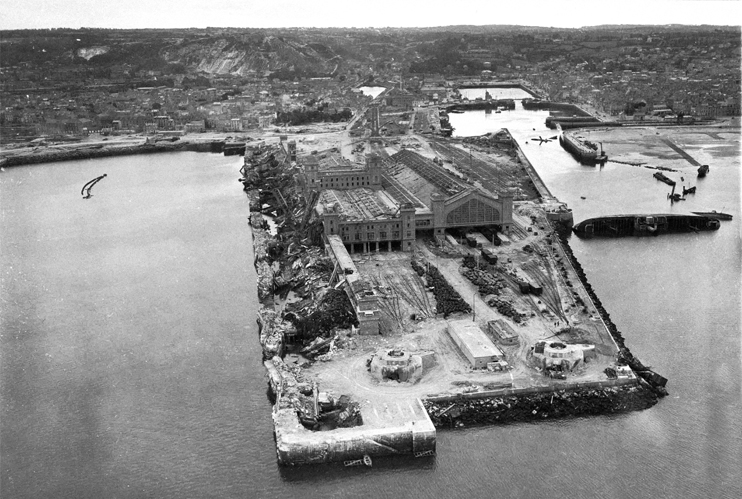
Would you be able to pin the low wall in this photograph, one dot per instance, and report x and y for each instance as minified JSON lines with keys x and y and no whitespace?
{"x":87,"y":152}
{"x":506,"y":392}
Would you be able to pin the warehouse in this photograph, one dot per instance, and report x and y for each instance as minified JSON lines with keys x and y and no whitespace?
{"x":473,"y":343}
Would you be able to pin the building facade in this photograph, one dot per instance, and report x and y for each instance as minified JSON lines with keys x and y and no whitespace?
{"x":354,"y":206}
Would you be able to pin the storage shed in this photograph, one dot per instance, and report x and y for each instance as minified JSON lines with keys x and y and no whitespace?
{"x":503,"y":332}
{"x":474,"y":344}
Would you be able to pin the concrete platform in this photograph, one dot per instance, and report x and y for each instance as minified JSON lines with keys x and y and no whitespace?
{"x":388,"y":429}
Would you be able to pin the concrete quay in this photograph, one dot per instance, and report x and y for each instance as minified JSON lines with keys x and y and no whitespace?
{"x":392,"y":427}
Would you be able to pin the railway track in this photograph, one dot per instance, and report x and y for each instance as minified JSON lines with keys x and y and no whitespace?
{"x":550,"y":294}
{"x":486,"y":173}
{"x":519,"y":300}
{"x":555,"y":275}
{"x":390,"y":305}
{"x":422,"y":294}
{"x":406,"y":289}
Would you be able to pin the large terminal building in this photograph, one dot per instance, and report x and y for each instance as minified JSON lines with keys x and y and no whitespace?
{"x":382,"y":205}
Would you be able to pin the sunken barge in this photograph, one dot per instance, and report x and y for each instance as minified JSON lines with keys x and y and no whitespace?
{"x":644,"y":225}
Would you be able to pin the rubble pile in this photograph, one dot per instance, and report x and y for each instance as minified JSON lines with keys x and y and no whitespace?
{"x":265,"y":280}
{"x":287,"y":261}
{"x":303,"y":269}
{"x":293,"y":392}
{"x":334,"y":310}
{"x":320,"y":347}
{"x":340,"y":413}
{"x":499,"y":140}
{"x":253,"y":197}
{"x":261,"y":238}
{"x":272,"y":330}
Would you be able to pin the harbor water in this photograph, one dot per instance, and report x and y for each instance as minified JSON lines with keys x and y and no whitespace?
{"x":373,"y":92}
{"x":130,"y":363}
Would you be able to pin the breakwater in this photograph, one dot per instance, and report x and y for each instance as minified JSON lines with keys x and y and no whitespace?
{"x":93,"y":152}
{"x":539,"y":404}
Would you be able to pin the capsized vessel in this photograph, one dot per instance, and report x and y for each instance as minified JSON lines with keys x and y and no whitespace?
{"x":644,"y":225}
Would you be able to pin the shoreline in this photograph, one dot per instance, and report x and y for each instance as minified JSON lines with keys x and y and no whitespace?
{"x":85,"y":151}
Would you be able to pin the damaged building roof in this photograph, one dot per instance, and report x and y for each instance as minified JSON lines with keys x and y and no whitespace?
{"x":358,"y":204}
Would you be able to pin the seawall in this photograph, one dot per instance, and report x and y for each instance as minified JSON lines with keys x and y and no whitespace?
{"x":91,"y":152}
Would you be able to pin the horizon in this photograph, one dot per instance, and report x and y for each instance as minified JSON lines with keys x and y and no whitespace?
{"x":335,"y":14}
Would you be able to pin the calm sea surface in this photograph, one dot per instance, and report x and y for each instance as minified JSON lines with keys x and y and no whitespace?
{"x":130,"y":364}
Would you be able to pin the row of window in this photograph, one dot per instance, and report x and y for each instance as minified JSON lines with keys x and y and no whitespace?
{"x":370,"y":236}
{"x":368,"y":227}
{"x":331,"y":183}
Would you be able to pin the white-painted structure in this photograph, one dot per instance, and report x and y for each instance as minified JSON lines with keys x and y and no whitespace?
{"x":474,"y":344}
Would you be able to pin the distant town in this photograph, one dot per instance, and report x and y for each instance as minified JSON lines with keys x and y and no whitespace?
{"x":66,"y":83}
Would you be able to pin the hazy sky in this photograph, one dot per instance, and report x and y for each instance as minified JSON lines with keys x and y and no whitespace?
{"x":16,"y":14}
